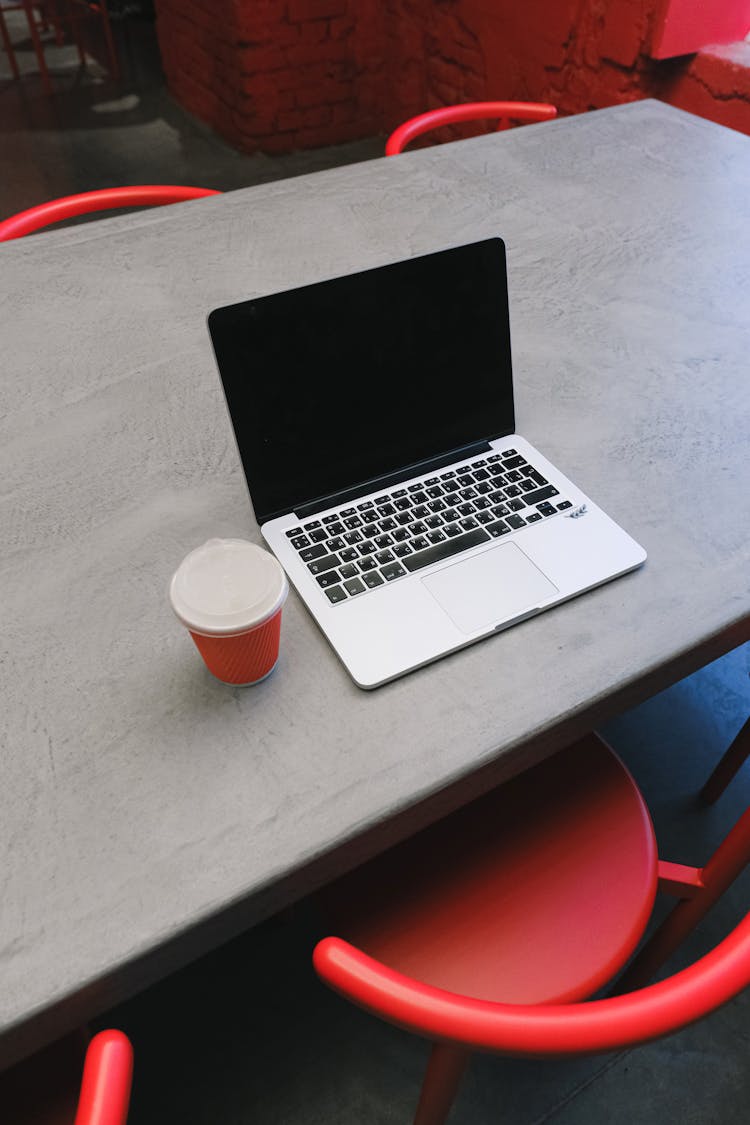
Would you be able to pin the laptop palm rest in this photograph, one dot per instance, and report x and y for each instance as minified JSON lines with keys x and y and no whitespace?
{"x":489,"y":589}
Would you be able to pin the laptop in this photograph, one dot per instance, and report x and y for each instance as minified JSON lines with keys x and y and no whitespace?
{"x":374,"y":418}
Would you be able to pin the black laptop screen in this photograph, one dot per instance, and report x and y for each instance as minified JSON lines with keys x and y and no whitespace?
{"x":345,"y":381}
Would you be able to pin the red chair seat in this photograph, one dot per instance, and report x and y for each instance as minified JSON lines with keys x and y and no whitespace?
{"x":538,"y":892}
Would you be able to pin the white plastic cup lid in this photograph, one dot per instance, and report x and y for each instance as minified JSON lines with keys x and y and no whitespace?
{"x":227,"y":586}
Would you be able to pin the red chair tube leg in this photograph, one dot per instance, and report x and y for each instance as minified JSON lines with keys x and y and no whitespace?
{"x":470,"y":111}
{"x":105,"y":199}
{"x":107,"y":1078}
{"x":729,"y":859}
{"x":444,"y":1073}
{"x":553,"y":1030}
{"x":734,"y":757}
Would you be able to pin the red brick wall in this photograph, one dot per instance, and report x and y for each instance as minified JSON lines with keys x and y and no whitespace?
{"x":278,"y":75}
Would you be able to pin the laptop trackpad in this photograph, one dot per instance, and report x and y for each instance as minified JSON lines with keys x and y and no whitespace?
{"x":490,"y":588}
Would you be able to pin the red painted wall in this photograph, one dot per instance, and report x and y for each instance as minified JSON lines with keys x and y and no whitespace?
{"x":277,"y":75}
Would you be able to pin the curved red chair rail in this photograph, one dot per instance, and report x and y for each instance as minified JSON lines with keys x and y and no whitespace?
{"x":104,"y":199}
{"x":469,"y":111}
{"x":544,"y":1029}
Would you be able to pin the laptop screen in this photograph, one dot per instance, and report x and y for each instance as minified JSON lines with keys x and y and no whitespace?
{"x":335,"y":384}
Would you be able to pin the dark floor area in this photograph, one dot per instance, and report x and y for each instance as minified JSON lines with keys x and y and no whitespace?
{"x":247,"y":1035}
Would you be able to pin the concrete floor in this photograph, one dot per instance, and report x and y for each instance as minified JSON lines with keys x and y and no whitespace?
{"x":248,"y":1034}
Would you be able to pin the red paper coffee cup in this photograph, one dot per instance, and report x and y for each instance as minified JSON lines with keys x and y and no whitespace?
{"x":229,"y":594}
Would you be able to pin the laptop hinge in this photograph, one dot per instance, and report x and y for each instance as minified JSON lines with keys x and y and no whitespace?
{"x":336,"y":499}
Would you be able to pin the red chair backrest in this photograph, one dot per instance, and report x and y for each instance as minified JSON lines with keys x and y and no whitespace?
{"x":503,"y":112}
{"x":104,"y":199}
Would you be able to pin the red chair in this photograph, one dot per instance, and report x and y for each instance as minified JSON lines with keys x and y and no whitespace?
{"x":487,"y":930}
{"x":41,"y":14}
{"x":506,"y":114}
{"x":105,"y":199}
{"x":106,"y":1082}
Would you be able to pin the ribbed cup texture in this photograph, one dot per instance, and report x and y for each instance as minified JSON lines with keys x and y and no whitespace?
{"x":245,"y":657}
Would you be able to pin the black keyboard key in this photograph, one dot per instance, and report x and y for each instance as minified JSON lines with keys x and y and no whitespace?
{"x":354,"y":586}
{"x":496,"y":470}
{"x":312,"y":525}
{"x":347,"y":512}
{"x":353,"y":537}
{"x":384,"y":557}
{"x":366,"y":548}
{"x":387,"y":524}
{"x":515,"y":522}
{"x":419,"y":543}
{"x":513,"y":490}
{"x":546,"y":509}
{"x":500,"y":510}
{"x":399,"y":492}
{"x":372,"y":579}
{"x":434,"y":491}
{"x":319,"y":535}
{"x":404,"y":518}
{"x":514,"y":462}
{"x":466,"y":509}
{"x":469,"y":523}
{"x":348,"y":554}
{"x":541,"y":494}
{"x":513,"y":477}
{"x":330,"y":578}
{"x":498,"y":529}
{"x":534,"y":517}
{"x":516,"y":505}
{"x":295,"y":531}
{"x":392,"y":570}
{"x":436,"y":537}
{"x":398,"y":536}
{"x":481,"y":503}
{"x":451,"y":486}
{"x":309,"y":554}
{"x":422,"y":511}
{"x":352,"y":521}
{"x":368,"y":563}
{"x":480,"y":474}
{"x":327,"y":562}
{"x":403,"y":504}
{"x":363,"y":507}
{"x":348,"y":570}
{"x":300,"y":541}
{"x":465,"y":479}
{"x":509,"y":453}
{"x":449,"y":475}
{"x":440,"y":551}
{"x":418,"y":528}
{"x":495,"y":457}
{"x":335,"y":544}
{"x":336,"y":528}
{"x":336,"y":594}
{"x":485,"y":517}
{"x":401,"y":549}
{"x":371,"y":516}
{"x":414,"y":489}
{"x":330,"y":518}
{"x":452,"y":530}
{"x":564,"y":506}
{"x":433,"y":521}
{"x":536,"y":476}
{"x":478,"y":464}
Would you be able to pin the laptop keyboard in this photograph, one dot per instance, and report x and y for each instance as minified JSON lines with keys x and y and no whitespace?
{"x":401,"y":531}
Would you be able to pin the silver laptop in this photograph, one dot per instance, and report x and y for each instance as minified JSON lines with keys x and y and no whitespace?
{"x":374,"y":419}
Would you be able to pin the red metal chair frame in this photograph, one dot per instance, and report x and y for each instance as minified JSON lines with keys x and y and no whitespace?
{"x":106,"y":1081}
{"x":104,"y":199}
{"x":459,"y":1023}
{"x":504,"y":112}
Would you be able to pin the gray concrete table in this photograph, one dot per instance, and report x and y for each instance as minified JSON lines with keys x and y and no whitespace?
{"x":148,"y":812}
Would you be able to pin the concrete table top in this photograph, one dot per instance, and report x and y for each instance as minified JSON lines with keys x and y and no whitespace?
{"x":148,"y":812}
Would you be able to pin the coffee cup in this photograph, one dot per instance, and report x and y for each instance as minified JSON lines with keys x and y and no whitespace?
{"x":229,"y":594}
